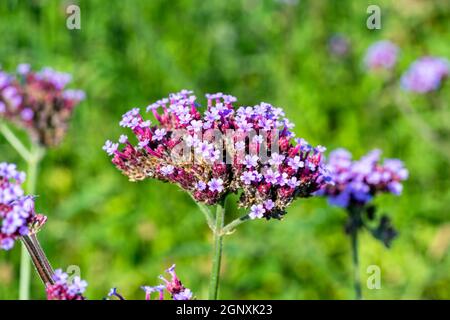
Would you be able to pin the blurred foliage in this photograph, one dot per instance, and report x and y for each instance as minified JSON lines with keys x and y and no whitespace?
{"x":130,"y":53}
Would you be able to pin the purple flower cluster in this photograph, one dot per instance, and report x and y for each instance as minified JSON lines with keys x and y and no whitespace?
{"x":357,"y":182}
{"x":224,"y":152}
{"x":381,"y":55}
{"x":65,"y":289}
{"x":173,"y":286}
{"x":39,"y":102}
{"x":17,"y":214}
{"x":426,"y":74}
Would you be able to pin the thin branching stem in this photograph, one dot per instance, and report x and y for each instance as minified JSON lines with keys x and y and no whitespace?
{"x":229,"y":228}
{"x":217,"y":252}
{"x":15,"y":142}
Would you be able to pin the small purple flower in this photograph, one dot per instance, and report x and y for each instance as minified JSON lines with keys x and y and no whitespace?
{"x":78,"y":286}
{"x":159,"y":134}
{"x":123,"y":138}
{"x":282,"y":179}
{"x":196,"y":125}
{"x":271,"y":177}
{"x":247,"y":177}
{"x":142,"y":144}
{"x":293,"y":182}
{"x":167,"y":170}
{"x":183,"y":295}
{"x":276,"y":159}
{"x":110,"y":147}
{"x":251,"y":161}
{"x":256,"y":211}
{"x":258,"y":139}
{"x":216,"y":185}
{"x":240,"y":145}
{"x":200,"y":185}
{"x":269,"y":205}
{"x":295,"y":163}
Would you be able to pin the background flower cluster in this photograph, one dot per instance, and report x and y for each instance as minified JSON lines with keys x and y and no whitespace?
{"x":38,"y":101}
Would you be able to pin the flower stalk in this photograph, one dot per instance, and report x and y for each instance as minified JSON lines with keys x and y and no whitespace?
{"x":217,"y":251}
{"x":40,"y":261}
{"x":355,"y":261}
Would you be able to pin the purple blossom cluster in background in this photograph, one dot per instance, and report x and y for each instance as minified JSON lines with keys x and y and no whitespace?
{"x":17,"y":214}
{"x":356,"y":182}
{"x":212,"y":170}
{"x":173,"y":286}
{"x":426,"y":74}
{"x":39,"y":102}
{"x":381,"y":55}
{"x":65,"y":288}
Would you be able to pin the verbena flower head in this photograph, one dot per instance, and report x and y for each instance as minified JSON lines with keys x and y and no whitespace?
{"x":381,"y":55}
{"x":39,"y":102}
{"x":225,"y":149}
{"x":65,"y":288}
{"x":173,"y":286}
{"x":426,"y":74}
{"x":356,"y":182}
{"x":17,"y":214}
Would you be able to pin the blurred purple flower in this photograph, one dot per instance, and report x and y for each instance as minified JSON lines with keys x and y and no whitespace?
{"x":425,"y":74}
{"x":381,"y":55}
{"x":357,"y":182}
{"x":39,"y":102}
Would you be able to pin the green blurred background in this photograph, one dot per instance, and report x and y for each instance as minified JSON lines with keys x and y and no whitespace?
{"x":130,"y":53}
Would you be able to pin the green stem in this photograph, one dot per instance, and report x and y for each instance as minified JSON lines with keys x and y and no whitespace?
{"x":217,"y":251}
{"x":229,"y":228}
{"x":207,"y":213}
{"x":355,"y":260}
{"x":25,"y":262}
{"x":15,"y":142}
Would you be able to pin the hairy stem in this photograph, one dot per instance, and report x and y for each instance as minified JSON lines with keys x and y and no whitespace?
{"x":217,"y":251}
